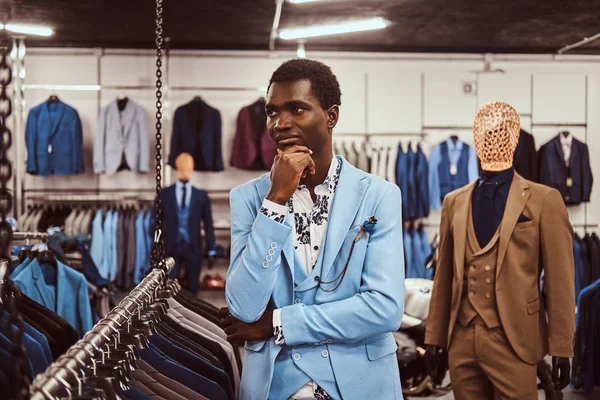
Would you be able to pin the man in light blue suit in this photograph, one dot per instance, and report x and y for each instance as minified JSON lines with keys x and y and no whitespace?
{"x":316,"y":281}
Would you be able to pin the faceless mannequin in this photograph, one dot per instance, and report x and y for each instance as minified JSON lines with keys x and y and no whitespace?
{"x":496,"y":133}
{"x":185,"y":166}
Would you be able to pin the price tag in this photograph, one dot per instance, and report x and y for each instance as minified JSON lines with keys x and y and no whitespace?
{"x":49,"y":149}
{"x":453,"y":169}
{"x":569,"y":182}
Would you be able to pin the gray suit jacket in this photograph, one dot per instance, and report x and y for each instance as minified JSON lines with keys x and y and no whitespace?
{"x":122,"y":132}
{"x":169,"y":383}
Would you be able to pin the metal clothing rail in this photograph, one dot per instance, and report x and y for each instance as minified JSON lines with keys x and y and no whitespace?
{"x":82,"y":352}
{"x":30,"y":236}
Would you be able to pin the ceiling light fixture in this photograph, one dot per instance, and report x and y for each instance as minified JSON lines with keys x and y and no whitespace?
{"x":334,"y":29}
{"x":28,"y":29}
{"x":301,"y":51}
{"x":301,"y":1}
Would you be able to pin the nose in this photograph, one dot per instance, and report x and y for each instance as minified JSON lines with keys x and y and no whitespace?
{"x":283,"y":123}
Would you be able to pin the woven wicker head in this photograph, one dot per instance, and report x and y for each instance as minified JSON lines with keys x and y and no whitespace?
{"x":496,"y":132}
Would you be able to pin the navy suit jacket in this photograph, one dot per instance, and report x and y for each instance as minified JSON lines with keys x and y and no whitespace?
{"x":197,"y":131}
{"x":554,"y":172}
{"x":200,"y":212}
{"x":54,"y":140}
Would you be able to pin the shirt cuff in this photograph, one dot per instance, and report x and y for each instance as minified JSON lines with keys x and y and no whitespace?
{"x":276,"y":212}
{"x":278,"y":327}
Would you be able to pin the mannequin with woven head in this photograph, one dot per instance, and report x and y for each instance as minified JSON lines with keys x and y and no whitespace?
{"x":496,"y":237}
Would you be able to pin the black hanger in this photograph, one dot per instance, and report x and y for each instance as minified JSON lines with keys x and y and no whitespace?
{"x":564,"y":133}
{"x":53,"y":98}
{"x":122,"y":102}
{"x":198,"y":99}
{"x":46,"y":257}
{"x":454,"y":138}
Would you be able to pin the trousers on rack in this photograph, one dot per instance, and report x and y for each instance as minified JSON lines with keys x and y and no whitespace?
{"x":184,"y":255}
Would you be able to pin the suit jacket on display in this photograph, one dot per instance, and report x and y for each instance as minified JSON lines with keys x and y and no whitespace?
{"x":200,"y":213}
{"x":545,"y":242}
{"x":324,"y":330}
{"x":197,"y":131}
{"x":122,"y":133}
{"x":555,"y":173}
{"x":253,"y":148}
{"x":68,"y":298}
{"x":525,"y":158}
{"x":54,"y":140}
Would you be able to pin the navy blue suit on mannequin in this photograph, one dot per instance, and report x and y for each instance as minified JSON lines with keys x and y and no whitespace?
{"x":185,"y":209}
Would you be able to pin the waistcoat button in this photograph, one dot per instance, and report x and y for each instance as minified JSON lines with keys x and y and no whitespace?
{"x":488,"y":280}
{"x":471,"y":293}
{"x":325,"y":353}
{"x":487,"y":295}
{"x":297,"y":357}
{"x":297,"y":301}
{"x":487,"y":267}
{"x":472,"y":268}
{"x":472,"y":280}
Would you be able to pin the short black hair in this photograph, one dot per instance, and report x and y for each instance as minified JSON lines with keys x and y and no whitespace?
{"x":323,"y":82}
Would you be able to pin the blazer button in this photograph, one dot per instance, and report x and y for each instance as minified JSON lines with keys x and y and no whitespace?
{"x":487,"y":267}
{"x":271,"y":252}
{"x":265,"y":264}
{"x":273,"y":245}
{"x":325,"y":353}
{"x":297,"y":357}
{"x":297,"y":301}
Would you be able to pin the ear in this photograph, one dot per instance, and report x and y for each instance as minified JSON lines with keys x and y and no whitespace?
{"x":333,"y":114}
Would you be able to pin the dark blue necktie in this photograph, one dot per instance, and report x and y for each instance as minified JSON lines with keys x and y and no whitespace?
{"x":486,"y":225}
{"x":183,"y":198}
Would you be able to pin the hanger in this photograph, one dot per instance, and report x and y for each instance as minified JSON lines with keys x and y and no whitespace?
{"x":454,"y":138}
{"x":46,"y":256}
{"x":53,"y":98}
{"x":122,"y":102}
{"x":198,"y":99}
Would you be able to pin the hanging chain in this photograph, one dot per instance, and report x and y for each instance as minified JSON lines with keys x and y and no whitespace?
{"x":6,"y":202}
{"x":158,"y":249}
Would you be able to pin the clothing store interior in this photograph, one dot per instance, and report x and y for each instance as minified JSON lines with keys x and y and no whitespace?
{"x":142,"y":258}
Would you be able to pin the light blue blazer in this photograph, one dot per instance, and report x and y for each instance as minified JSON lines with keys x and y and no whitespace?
{"x":350,"y":328}
{"x":69,"y":298}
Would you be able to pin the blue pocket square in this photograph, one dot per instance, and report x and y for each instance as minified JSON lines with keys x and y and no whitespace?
{"x":523,"y":218}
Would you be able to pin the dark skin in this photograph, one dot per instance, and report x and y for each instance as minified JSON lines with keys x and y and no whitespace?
{"x":301,"y":129}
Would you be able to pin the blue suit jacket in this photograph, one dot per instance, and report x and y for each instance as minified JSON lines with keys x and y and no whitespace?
{"x":200,"y":212}
{"x":141,"y":252}
{"x":97,"y":245}
{"x":354,"y":322}
{"x":54,"y":140}
{"x":197,"y":131}
{"x":69,"y":298}
{"x":554,"y":172}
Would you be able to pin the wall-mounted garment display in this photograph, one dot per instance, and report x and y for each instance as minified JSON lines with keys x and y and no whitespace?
{"x":122,"y":141}
{"x":416,"y":251}
{"x":586,"y":368}
{"x":412,"y":178}
{"x":253,"y":148}
{"x":525,"y":158}
{"x":197,"y":131}
{"x":565,"y":166}
{"x":54,"y":140}
{"x":452,"y":164}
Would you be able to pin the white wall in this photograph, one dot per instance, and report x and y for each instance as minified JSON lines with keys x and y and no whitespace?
{"x":384,"y":94}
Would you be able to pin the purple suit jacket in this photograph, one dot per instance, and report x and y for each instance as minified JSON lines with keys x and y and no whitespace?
{"x":253,"y":148}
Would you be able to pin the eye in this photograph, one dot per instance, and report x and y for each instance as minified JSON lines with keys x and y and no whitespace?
{"x":298,"y":110}
{"x":270,"y":113}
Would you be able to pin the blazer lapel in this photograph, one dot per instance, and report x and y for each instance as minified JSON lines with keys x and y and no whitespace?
{"x":461,"y":216}
{"x":517,"y":198}
{"x":348,"y":197}
{"x":40,"y":285}
{"x":127,"y":117}
{"x":559,"y":149}
{"x":55,"y":122}
{"x":61,"y":279}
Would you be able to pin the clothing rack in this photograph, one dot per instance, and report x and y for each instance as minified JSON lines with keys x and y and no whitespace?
{"x":82,"y":352}
{"x":30,"y":236}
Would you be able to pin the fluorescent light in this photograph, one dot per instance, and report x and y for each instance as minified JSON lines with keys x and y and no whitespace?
{"x":29,"y":29}
{"x":301,"y":1}
{"x":355,"y":26}
{"x":301,"y":52}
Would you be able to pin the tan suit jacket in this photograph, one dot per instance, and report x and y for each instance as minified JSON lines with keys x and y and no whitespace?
{"x":525,"y":249}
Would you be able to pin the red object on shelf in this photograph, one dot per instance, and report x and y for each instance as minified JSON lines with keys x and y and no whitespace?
{"x":215,"y":281}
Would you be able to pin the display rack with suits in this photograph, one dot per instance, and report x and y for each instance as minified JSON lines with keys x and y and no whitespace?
{"x":565,"y":165}
{"x":186,"y":210}
{"x":497,"y":235}
{"x":197,"y":131}
{"x":526,"y":159}
{"x":54,"y":139}
{"x":122,"y":141}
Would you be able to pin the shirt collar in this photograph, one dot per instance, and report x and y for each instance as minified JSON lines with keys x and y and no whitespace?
{"x":500,"y":179}
{"x":333,"y":175}
{"x":566,"y":140}
{"x":452,"y":146}
{"x":180,"y":184}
